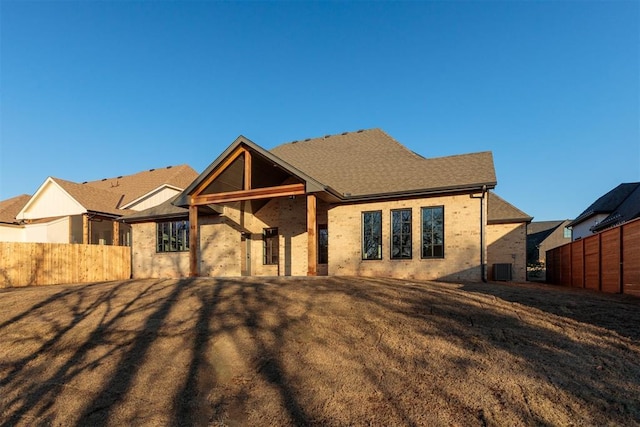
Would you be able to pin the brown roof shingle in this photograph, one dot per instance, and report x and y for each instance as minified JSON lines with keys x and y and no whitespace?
{"x":499,"y":211}
{"x":92,"y":198}
{"x":370,"y":162}
{"x":9,"y":208}
{"x":132,"y":187}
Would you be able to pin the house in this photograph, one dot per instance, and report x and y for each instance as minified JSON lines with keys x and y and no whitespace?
{"x":62,"y":211}
{"x":357,"y":203}
{"x":616,"y":207}
{"x":543,"y":236}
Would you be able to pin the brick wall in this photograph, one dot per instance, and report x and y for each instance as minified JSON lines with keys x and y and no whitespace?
{"x":507,"y":243}
{"x":221,"y":252}
{"x":462,"y":241}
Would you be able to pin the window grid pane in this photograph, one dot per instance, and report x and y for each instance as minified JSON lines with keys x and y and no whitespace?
{"x":401,"y":234}
{"x":172,"y":236}
{"x":372,"y":235}
{"x":323,"y":244}
{"x":433,"y":232}
{"x":270,"y":246}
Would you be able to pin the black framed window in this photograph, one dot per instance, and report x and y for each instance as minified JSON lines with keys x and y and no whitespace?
{"x":323,"y":244}
{"x":172,"y":236}
{"x":270,"y":246}
{"x":401,"y":234}
{"x":372,"y":235}
{"x":433,"y":232}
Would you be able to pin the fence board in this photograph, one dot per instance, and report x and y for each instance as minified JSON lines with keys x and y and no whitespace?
{"x":631,"y":258}
{"x":23,"y":264}
{"x":610,"y":259}
{"x":592,"y":262}
{"x":565,"y":265}
{"x":577,"y":266}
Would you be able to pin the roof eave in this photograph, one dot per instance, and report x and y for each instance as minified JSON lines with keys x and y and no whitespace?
{"x":467,"y":188}
{"x":311,"y":184}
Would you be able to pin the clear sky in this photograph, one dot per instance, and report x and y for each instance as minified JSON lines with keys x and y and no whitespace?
{"x":96,"y":89}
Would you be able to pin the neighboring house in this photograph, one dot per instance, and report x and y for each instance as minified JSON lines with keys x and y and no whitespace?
{"x":616,"y":207}
{"x":63,"y":211}
{"x":10,"y":229}
{"x":358,"y":203}
{"x":543,"y":236}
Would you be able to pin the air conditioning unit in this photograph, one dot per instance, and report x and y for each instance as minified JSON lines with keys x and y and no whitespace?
{"x":502,"y":272}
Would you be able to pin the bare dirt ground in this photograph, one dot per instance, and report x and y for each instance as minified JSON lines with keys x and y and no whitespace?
{"x":323,"y":351}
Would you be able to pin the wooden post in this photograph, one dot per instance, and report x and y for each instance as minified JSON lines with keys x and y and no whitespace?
{"x":193,"y":241}
{"x":116,"y":234}
{"x":312,"y":236}
{"x":85,"y":229}
{"x":247,"y":170}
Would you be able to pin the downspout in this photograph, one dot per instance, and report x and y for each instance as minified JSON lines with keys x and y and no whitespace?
{"x":483,"y":267}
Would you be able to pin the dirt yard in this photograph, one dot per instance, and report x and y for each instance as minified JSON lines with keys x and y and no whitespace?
{"x":323,"y":351}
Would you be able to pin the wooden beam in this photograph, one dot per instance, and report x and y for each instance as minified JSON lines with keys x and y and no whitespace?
{"x":85,"y":229}
{"x":193,"y":241}
{"x":221,"y":168}
{"x":116,"y":234}
{"x":258,"y":193}
{"x":312,"y":236}
{"x":247,"y":170}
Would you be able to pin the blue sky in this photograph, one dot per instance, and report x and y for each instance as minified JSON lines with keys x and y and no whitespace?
{"x":98,"y":89}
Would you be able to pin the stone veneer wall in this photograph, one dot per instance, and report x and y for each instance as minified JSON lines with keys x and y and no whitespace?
{"x":507,"y":243}
{"x":462,"y":241}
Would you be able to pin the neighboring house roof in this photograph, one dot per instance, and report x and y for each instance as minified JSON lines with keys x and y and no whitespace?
{"x":166,"y":210}
{"x":133,"y":187}
{"x":91,"y":198}
{"x":627,"y":210}
{"x":9,"y":208}
{"x":543,"y":227}
{"x":608,"y":203}
{"x":111,"y":195}
{"x":499,"y":211}
{"x":539,"y":231}
{"x":370,"y":162}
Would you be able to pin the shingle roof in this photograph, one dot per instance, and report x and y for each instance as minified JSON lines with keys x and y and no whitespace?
{"x":9,"y":208}
{"x":627,"y":210}
{"x":499,"y":211}
{"x":543,"y":226}
{"x":132,"y":187}
{"x":608,"y":203}
{"x":167,"y":210}
{"x":370,"y":162}
{"x":92,"y":198}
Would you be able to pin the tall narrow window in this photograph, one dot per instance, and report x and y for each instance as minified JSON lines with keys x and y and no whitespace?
{"x":172,"y":236}
{"x":323,"y":244}
{"x":372,"y":235}
{"x":433,"y":232}
{"x":401,"y":234}
{"x":270,"y":246}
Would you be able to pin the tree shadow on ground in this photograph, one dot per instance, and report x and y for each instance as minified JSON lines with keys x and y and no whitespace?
{"x":292,"y":351}
{"x":614,"y":312}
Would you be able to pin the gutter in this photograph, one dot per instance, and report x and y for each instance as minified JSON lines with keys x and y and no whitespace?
{"x":417,"y":193}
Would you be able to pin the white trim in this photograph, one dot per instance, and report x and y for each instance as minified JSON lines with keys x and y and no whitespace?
{"x":34,"y":199}
{"x":150,"y":193}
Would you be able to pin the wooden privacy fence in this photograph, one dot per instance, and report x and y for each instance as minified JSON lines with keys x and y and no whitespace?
{"x":608,"y":261}
{"x":23,"y":264}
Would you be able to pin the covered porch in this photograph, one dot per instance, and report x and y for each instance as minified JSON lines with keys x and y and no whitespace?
{"x":265,"y":200}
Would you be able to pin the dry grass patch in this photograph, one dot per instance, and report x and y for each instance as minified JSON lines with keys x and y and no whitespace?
{"x":323,"y":351}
